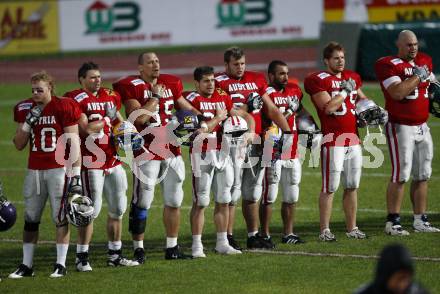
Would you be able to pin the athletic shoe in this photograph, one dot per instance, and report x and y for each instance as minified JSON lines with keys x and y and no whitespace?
{"x":82,"y":262}
{"x":58,"y":271}
{"x":175,"y":253}
{"x":226,"y":249}
{"x":292,"y":239}
{"x":139,"y":255}
{"x":395,"y":229}
{"x":197,"y":252}
{"x":327,"y":236}
{"x":233,"y":243}
{"x":421,"y":226}
{"x":356,"y":234}
{"x":22,"y":271}
{"x":259,"y":242}
{"x":115,"y":259}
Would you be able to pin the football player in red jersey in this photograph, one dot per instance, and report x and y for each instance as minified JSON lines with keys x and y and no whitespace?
{"x":243,"y":86}
{"x":287,"y":97}
{"x":155,"y":95}
{"x":46,"y":121}
{"x":334,"y":92}
{"x":101,"y":171}
{"x":212,"y":166}
{"x":404,"y":79}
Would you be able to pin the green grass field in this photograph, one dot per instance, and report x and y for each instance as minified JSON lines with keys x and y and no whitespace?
{"x":313,"y":267}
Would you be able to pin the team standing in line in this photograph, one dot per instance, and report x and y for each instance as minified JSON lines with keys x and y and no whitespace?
{"x":244,"y":143}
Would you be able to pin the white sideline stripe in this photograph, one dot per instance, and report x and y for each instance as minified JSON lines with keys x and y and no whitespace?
{"x":317,"y":254}
{"x":218,"y":68}
{"x":259,"y":251}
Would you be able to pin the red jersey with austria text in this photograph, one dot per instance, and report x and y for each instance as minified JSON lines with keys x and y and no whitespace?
{"x":342,"y":123}
{"x":240,"y":89}
{"x":208,"y":106}
{"x":157,"y":141}
{"x":94,"y":108}
{"x":281,"y":100}
{"x":414,"y":108}
{"x":56,"y":115}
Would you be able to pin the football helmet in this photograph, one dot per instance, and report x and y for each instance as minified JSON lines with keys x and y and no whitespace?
{"x":234,"y":127}
{"x":8,"y":213}
{"x":126,"y":138}
{"x":370,"y":114}
{"x":79,"y":210}
{"x":306,"y":125}
{"x":434,"y":98}
{"x":188,"y":123}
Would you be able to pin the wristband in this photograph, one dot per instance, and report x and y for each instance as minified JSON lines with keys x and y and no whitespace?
{"x":26,"y":127}
{"x":203,"y":125}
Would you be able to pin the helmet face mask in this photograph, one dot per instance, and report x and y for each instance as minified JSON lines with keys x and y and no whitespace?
{"x":369,"y":113}
{"x":80,"y":210}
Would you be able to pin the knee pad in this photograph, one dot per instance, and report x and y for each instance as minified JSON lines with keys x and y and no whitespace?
{"x":137,"y":219}
{"x":31,"y":227}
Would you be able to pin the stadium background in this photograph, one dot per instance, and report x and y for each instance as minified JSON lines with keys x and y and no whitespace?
{"x":59,"y":35}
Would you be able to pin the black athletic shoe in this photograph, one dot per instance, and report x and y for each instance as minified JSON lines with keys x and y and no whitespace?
{"x":82,"y":262}
{"x":233,"y":243}
{"x":58,"y":271}
{"x":139,"y":255}
{"x":259,"y":242}
{"x":175,"y":253}
{"x":22,"y":271}
{"x":292,"y":239}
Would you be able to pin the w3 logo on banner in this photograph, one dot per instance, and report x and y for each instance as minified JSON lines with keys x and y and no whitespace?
{"x":244,"y":12}
{"x":120,"y":17}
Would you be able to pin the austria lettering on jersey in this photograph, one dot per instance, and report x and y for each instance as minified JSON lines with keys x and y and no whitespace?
{"x":56,"y":115}
{"x":101,"y":153}
{"x":156,"y":137}
{"x":281,"y":100}
{"x":339,"y":128}
{"x":414,"y":108}
{"x":240,"y":89}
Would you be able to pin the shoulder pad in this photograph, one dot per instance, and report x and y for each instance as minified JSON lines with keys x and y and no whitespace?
{"x":270,"y":90}
{"x":323,"y":75}
{"x":81,"y":96}
{"x":396,"y":61}
{"x":221,"y":78}
{"x":191,"y":96}
{"x":24,"y":106}
{"x":136,"y":82}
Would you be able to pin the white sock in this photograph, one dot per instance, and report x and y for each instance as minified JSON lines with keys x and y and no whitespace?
{"x":82,"y":248}
{"x":115,"y":245}
{"x":221,"y":238}
{"x":171,"y":242}
{"x":197,"y":241}
{"x":138,"y":244}
{"x":62,"y":253}
{"x":28,"y":254}
{"x":417,"y":217}
{"x":251,"y":234}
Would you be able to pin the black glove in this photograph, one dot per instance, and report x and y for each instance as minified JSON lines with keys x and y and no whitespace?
{"x":254,"y":102}
{"x":33,"y":115}
{"x":75,"y":186}
{"x":422,"y":72}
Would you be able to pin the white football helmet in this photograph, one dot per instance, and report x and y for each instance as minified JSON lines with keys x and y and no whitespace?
{"x":235,"y":127}
{"x":368,"y":113}
{"x":80,"y":210}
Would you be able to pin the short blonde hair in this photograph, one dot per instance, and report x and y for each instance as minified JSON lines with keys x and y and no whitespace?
{"x":45,"y":77}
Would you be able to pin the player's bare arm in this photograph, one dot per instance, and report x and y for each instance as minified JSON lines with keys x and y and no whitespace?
{"x":74,"y":143}
{"x":326,"y":103}
{"x":133,"y":105}
{"x":399,"y":90}
{"x":21,"y":137}
{"x":361,"y":94}
{"x":182,"y":103}
{"x":274,"y":114}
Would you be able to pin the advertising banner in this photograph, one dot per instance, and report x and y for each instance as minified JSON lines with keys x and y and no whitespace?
{"x":98,"y":24}
{"x":377,"y":11}
{"x":28,"y":27}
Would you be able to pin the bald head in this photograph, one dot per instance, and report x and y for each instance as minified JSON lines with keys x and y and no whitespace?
{"x":407,"y":45}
